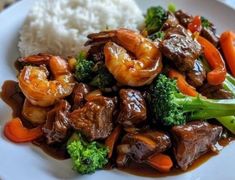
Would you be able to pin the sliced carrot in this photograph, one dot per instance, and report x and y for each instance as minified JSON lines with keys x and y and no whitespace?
{"x":16,"y":132}
{"x":195,"y":25}
{"x":182,"y":84}
{"x":215,"y":60}
{"x":227,"y":42}
{"x":112,"y":139}
{"x":161,"y":162}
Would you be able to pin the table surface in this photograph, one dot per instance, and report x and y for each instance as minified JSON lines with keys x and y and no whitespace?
{"x":229,"y":2}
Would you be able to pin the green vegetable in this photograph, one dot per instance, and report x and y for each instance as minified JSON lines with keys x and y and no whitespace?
{"x":86,"y":156}
{"x":205,"y":22}
{"x":229,"y":85}
{"x":103,"y":77}
{"x":173,"y":108}
{"x":171,"y":8}
{"x":154,"y":19}
{"x":83,"y":68}
{"x":228,"y":121}
{"x":158,"y":35}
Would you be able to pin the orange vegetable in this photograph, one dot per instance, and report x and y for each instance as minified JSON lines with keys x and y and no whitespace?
{"x":227,"y":42}
{"x":182,"y":84}
{"x":161,"y":162}
{"x":112,"y":139}
{"x":215,"y":60}
{"x":16,"y":132}
{"x":195,"y":25}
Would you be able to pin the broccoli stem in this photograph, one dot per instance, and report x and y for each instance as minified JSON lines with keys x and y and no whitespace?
{"x":229,"y":84}
{"x":174,"y":108}
{"x":203,"y":108}
{"x":228,"y":122}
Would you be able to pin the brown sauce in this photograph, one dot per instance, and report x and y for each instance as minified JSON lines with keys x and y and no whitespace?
{"x":147,"y":171}
{"x":12,"y":96}
{"x":56,"y":151}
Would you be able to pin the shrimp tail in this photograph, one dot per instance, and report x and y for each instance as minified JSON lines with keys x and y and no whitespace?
{"x":100,"y":38}
{"x":36,"y":59}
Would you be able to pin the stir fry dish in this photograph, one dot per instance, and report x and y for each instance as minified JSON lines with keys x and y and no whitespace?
{"x":160,"y":98}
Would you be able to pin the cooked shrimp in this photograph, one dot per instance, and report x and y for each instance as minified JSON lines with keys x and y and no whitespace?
{"x":34,"y":83}
{"x":128,"y":71}
{"x":34,"y":114}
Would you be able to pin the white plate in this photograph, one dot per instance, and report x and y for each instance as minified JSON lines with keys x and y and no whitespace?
{"x":25,"y":161}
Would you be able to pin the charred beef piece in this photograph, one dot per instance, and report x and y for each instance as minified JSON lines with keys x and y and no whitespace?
{"x":139,"y":146}
{"x":210,"y":36}
{"x":207,"y":32}
{"x":193,"y":140}
{"x":170,"y":22}
{"x":183,"y":18}
{"x":180,"y":48}
{"x":57,"y":126}
{"x":132,"y":108}
{"x":96,"y":52}
{"x":78,"y":95}
{"x":215,"y":92}
{"x":197,"y":75}
{"x":94,"y":119}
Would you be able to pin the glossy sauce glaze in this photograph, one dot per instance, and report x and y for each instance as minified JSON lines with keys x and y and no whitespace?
{"x":12,"y":96}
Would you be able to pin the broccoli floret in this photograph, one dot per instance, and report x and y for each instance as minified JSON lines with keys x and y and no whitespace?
{"x":205,"y":22}
{"x":83,"y":68}
{"x":154,"y":19}
{"x":86,"y":156}
{"x":173,"y":108}
{"x":158,"y":35}
{"x":103,"y":79}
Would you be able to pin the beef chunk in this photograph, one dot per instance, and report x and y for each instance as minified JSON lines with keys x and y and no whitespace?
{"x":183,"y":18}
{"x":57,"y":126}
{"x":180,"y":48}
{"x":133,"y":108}
{"x":215,"y":92}
{"x":210,"y":36}
{"x":170,"y":22}
{"x":94,"y":119}
{"x":197,"y":75}
{"x":139,"y":146}
{"x":96,"y":52}
{"x":78,"y":95}
{"x":193,"y":140}
{"x":207,"y":32}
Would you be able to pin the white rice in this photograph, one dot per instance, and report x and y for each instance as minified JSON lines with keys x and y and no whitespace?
{"x":60,"y":27}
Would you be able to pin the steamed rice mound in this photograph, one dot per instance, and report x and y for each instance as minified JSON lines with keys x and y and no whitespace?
{"x":60,"y":27}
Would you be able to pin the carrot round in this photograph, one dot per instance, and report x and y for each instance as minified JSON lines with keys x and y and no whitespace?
{"x":182,"y":84}
{"x":215,"y":60}
{"x":161,"y":162}
{"x":227,"y":42}
{"x":16,"y":132}
{"x":112,"y":139}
